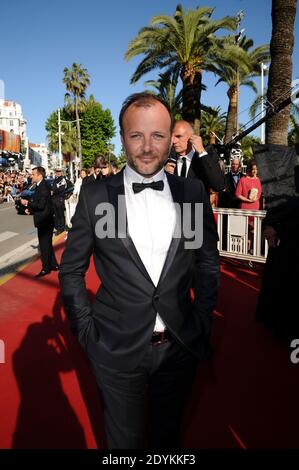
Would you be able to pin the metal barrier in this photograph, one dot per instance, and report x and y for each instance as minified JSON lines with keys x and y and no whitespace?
{"x":235,"y":240}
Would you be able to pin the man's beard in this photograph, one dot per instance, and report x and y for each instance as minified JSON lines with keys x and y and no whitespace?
{"x":159,"y":166}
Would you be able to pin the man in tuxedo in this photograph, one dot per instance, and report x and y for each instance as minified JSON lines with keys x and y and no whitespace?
{"x":227,"y":198}
{"x":60,"y":189}
{"x":193,"y":160}
{"x":143,"y":331}
{"x":42,"y":210}
{"x":98,"y":164}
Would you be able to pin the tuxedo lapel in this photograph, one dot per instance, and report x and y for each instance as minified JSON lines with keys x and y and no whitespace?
{"x":191,"y":173}
{"x":115,"y":189}
{"x":177,"y":191}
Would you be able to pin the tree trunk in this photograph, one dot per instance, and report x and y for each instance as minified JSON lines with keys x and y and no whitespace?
{"x":280,"y":72}
{"x":78,"y":131}
{"x":231,"y":120}
{"x":191,"y":97}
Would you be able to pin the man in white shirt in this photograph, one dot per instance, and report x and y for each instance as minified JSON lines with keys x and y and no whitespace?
{"x":143,"y":333}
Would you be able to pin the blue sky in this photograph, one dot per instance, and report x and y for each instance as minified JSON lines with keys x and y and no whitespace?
{"x":40,"y":38}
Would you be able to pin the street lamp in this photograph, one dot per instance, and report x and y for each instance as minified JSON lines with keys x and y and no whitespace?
{"x":263,"y":67}
{"x":59,"y":141}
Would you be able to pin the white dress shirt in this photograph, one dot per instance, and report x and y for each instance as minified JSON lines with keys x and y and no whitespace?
{"x":151,"y":221}
{"x":188,"y":157}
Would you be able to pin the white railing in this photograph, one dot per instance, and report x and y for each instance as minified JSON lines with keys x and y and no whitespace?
{"x":232,"y":226}
{"x":234,"y":238}
{"x":243,"y":168}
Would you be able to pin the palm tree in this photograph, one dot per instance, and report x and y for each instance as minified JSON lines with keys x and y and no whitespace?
{"x":166,"y":86}
{"x":280,"y":73}
{"x":184,"y":42}
{"x":68,"y":134}
{"x":241,"y":75}
{"x":293,"y":129}
{"x":76,"y":80}
{"x":212,"y":123}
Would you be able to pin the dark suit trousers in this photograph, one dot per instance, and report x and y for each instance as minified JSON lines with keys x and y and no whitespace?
{"x":166,"y":374}
{"x":45,"y":234}
{"x":58,"y":206}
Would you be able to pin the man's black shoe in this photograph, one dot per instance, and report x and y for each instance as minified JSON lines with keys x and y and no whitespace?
{"x":42,"y":273}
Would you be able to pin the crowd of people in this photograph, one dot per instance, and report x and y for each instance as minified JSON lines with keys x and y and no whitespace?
{"x":12,"y":183}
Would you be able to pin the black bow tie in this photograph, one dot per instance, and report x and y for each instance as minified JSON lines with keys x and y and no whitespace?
{"x":158,"y":185}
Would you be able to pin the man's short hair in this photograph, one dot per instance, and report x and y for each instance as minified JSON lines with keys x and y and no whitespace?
{"x":99,"y":161}
{"x":143,"y":99}
{"x":40,"y":170}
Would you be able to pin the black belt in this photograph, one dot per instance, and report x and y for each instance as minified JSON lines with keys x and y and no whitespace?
{"x":160,"y":337}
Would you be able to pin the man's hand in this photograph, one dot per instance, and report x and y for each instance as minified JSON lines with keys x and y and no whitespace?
{"x":24,"y":202}
{"x":27,"y":212}
{"x":170,"y":167}
{"x":196,"y":141}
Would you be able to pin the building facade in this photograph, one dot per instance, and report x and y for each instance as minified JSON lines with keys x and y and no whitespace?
{"x":39,"y":155}
{"x":13,"y":129}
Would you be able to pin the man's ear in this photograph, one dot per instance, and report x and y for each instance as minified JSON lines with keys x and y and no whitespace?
{"x":121,"y":138}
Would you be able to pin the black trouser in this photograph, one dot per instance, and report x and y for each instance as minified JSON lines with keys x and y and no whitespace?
{"x":166,"y":372}
{"x":58,"y":206}
{"x":45,"y":234}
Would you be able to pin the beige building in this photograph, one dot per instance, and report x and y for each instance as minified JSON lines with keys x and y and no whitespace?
{"x":12,"y":119}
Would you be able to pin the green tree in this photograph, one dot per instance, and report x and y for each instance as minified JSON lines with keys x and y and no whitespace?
{"x":246,"y":145}
{"x":212,"y":123}
{"x":166,"y":87}
{"x":280,"y":72}
{"x":68,"y":133}
{"x":240,"y":75}
{"x":97,"y":129}
{"x":183,"y":42}
{"x":76,"y":80}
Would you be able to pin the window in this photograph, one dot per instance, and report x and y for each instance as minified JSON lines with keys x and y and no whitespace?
{"x":11,"y":122}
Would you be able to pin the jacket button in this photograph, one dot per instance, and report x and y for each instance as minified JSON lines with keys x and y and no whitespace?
{"x":156,"y":298}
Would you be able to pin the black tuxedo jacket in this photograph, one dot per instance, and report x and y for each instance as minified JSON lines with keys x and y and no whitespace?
{"x":41,"y":206}
{"x":92,"y":179}
{"x":227,"y":198}
{"x":208,"y":170}
{"x":116,"y":329}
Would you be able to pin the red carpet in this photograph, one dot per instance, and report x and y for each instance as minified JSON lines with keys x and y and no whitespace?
{"x":246,"y":397}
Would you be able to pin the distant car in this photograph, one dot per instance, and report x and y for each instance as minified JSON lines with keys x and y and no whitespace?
{"x":25,"y":194}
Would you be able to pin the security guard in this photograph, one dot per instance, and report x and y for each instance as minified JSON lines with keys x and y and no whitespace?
{"x":59,"y":190}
